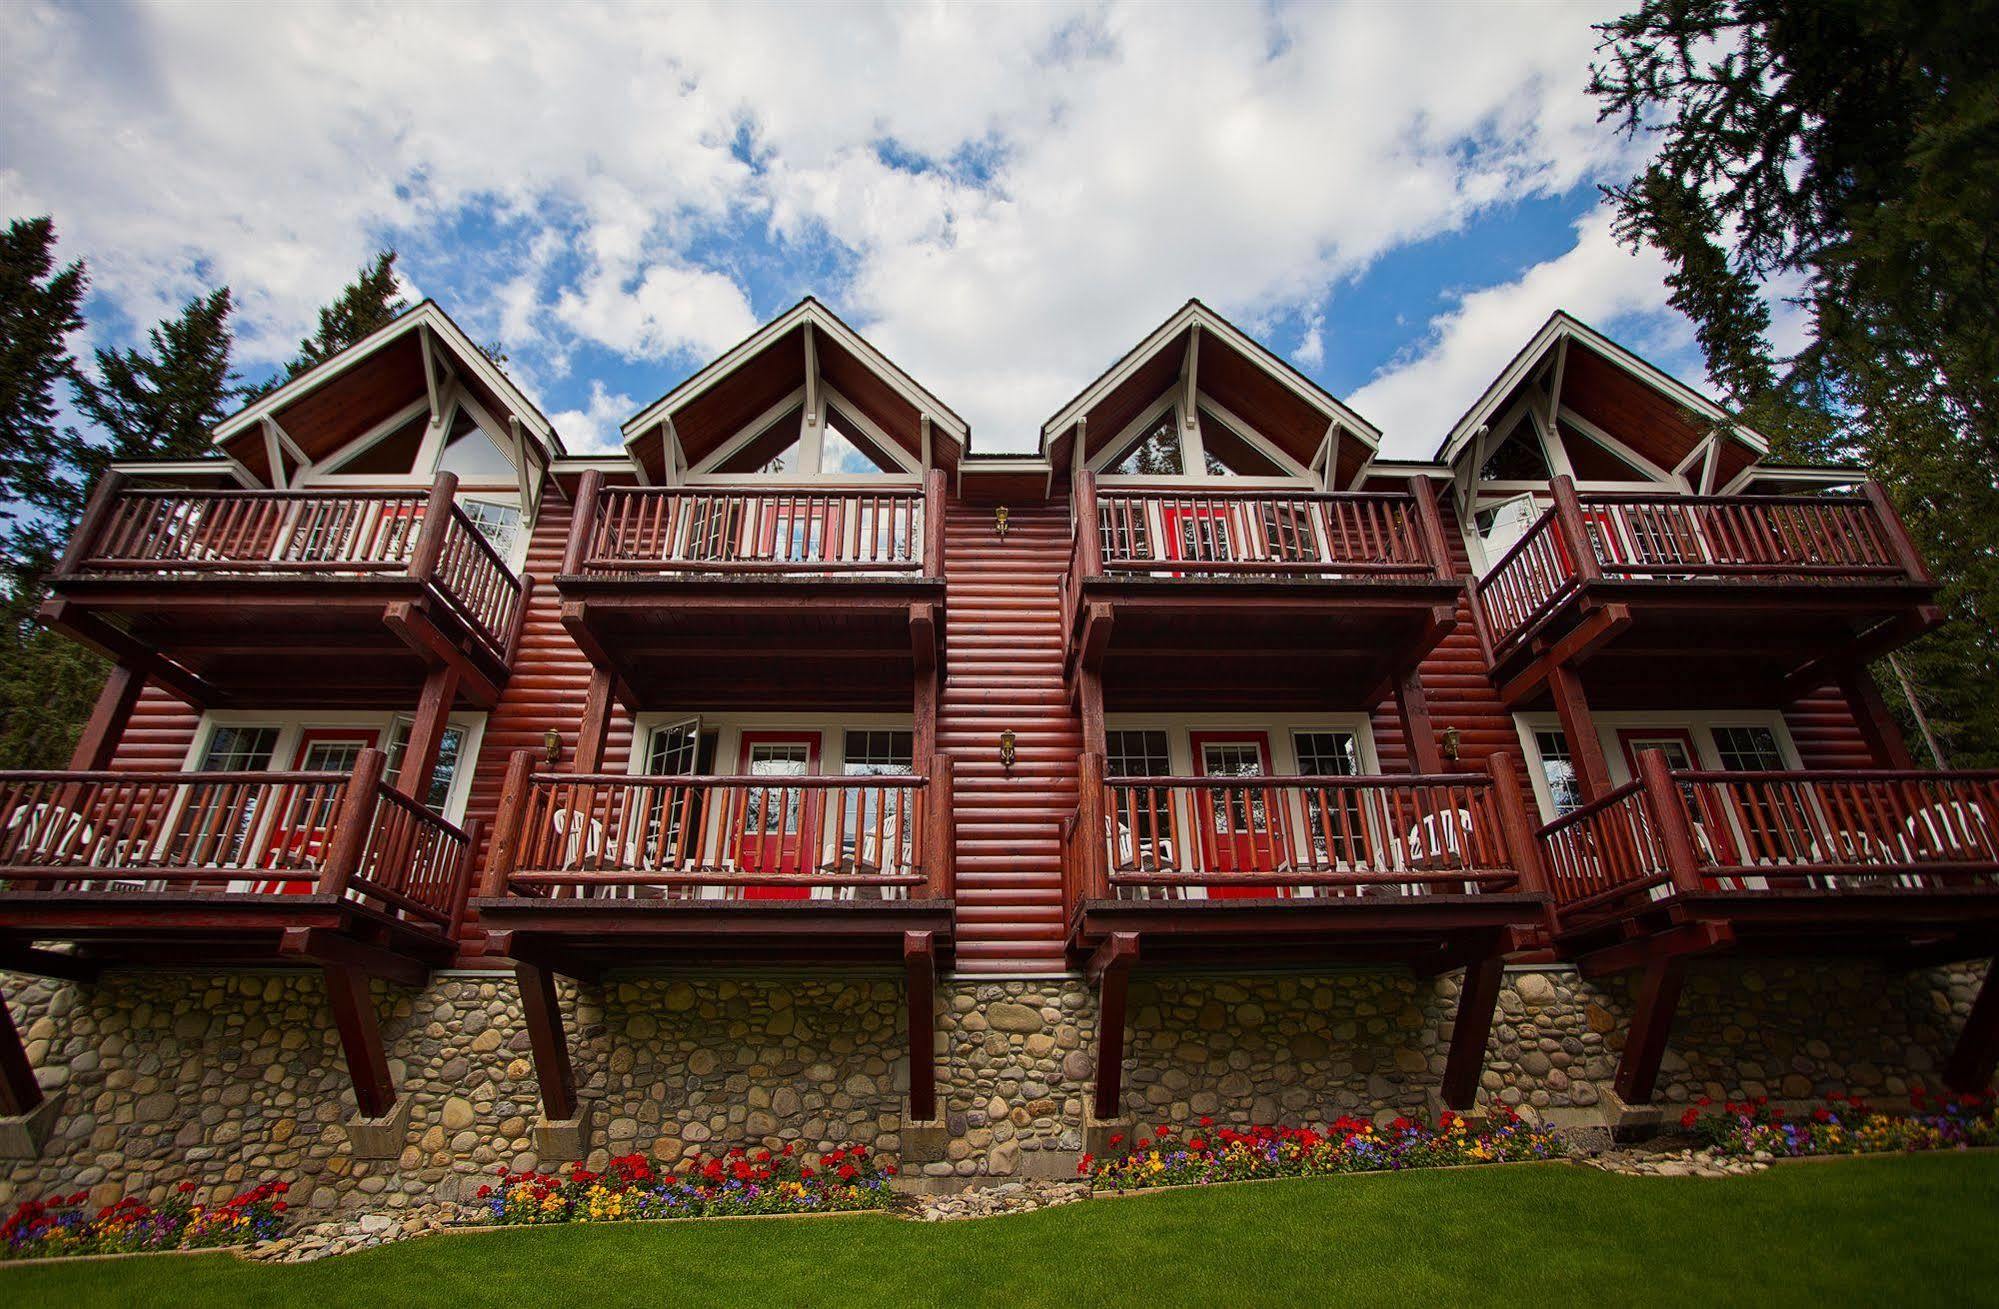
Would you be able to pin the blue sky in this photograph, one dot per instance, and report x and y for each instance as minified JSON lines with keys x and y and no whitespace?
{"x":1004,"y":198}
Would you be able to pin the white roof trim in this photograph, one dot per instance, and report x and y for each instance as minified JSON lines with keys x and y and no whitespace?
{"x":821,"y":318}
{"x":1194,"y":313}
{"x":427,"y":314}
{"x":1559,"y":325}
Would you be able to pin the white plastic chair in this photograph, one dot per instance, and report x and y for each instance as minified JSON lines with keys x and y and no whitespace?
{"x":1444,"y":834}
{"x":1151,"y":856}
{"x":1950,"y":831}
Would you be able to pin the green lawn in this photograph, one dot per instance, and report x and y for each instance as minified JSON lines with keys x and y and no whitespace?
{"x":1915,"y":1230}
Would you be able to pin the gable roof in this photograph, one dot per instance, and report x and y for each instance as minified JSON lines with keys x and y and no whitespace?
{"x":1561,"y":326}
{"x":341,"y":397}
{"x":769,"y":364}
{"x":1230,"y":360}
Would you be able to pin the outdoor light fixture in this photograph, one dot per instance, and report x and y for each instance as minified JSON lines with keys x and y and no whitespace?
{"x":999,"y":521}
{"x":1451,"y":744}
{"x":1006,"y":748}
{"x":551,"y":746}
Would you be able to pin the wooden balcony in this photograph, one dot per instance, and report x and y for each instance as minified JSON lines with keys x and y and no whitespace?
{"x":1897,"y":864}
{"x":205,"y":871}
{"x":1761,"y":597}
{"x":1172,"y":592}
{"x":716,"y":593}
{"x":1435,"y":872}
{"x":240,"y":597}
{"x":591,"y":873}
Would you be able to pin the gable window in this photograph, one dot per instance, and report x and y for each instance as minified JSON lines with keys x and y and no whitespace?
{"x":392,"y":456}
{"x":471,"y":453}
{"x":1156,"y":453}
{"x":1595,"y":462}
{"x":1517,"y":458}
{"x":844,"y":452}
{"x":1227,"y":454}
{"x":776,"y":449}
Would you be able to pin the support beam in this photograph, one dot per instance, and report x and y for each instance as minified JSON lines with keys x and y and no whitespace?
{"x":1090,"y":696}
{"x":413,"y":626}
{"x":1565,"y":687}
{"x":426,"y":739}
{"x":1469,"y":1031}
{"x":361,"y":1040}
{"x":1576,"y":648}
{"x":595,"y":726}
{"x":107,"y":719}
{"x":1412,"y":710}
{"x":924,"y":706}
{"x":919,"y":963}
{"x":1651,"y":1022}
{"x":333,"y":949}
{"x":20,"y":1093}
{"x":1976,"y":1055}
{"x":1111,"y":966}
{"x":1870,"y":714}
{"x":543,"y":1017}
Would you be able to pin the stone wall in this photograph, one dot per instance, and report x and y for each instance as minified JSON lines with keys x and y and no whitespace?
{"x":231,"y":1079}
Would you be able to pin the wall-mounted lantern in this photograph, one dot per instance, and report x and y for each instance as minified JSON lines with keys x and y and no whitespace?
{"x":1006,"y":748}
{"x":999,"y":521}
{"x":551,"y":747}
{"x":1452,"y":742}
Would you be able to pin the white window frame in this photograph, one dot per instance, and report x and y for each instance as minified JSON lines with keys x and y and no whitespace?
{"x":1699,"y":724}
{"x":811,"y":439}
{"x":291,"y":724}
{"x":1278,"y":728}
{"x":1193,"y":449}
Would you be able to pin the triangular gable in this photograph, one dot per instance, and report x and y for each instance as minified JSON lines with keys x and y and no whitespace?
{"x":1596,"y":372}
{"x":316,"y":414}
{"x":806,"y":347}
{"x":1272,"y":398}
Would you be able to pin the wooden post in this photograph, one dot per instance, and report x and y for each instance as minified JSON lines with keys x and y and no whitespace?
{"x":925,"y":709}
{"x":520,"y":622}
{"x":352,"y":824}
{"x":938,"y":839}
{"x":1430,"y":522}
{"x":426,"y":738}
{"x":1569,"y":517}
{"x":103,"y":499}
{"x":1669,"y":818}
{"x":360,"y":1039}
{"x":1883,"y":734}
{"x":1976,"y":1054}
{"x":108,"y":717}
{"x":582,"y":523}
{"x":1412,"y":710}
{"x":19,"y":1091}
{"x":543,"y":1017}
{"x":500,"y":855}
{"x":1090,"y":696}
{"x":461,"y":882}
{"x":1651,"y":1022}
{"x":1477,"y":995}
{"x":1897,"y":533}
{"x":437,"y":508}
{"x":1517,"y":827}
{"x":1112,"y":966}
{"x":595,"y":726}
{"x":1091,"y":830}
{"x":933,"y":523}
{"x":1565,"y":688}
{"x":1092,"y":537}
{"x":920,"y":973}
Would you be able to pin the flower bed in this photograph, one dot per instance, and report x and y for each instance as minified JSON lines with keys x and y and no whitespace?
{"x":739,"y":1182}
{"x":1843,"y":1125}
{"x":1207,"y":1153}
{"x":64,"y":1225}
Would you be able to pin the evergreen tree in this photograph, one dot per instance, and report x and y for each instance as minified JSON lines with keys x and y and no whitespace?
{"x":1850,"y":151}
{"x":162,"y":405}
{"x":368,"y":302}
{"x":39,"y":308}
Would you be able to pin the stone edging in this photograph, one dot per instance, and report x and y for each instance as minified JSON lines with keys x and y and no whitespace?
{"x":239,"y":1251}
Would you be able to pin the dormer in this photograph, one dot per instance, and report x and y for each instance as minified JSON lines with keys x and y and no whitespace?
{"x":1198,"y":402}
{"x":414,"y":399}
{"x":804,"y":399}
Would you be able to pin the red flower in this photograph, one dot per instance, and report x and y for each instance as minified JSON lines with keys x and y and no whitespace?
{"x":1207,"y":1121}
{"x":1117,"y":1138}
{"x":1690,"y":1117}
{"x":1401,"y":1124}
{"x":806,"y":1173}
{"x":484,"y":1191}
{"x":185,"y":1187}
{"x":1197,"y":1144}
{"x":847,"y":1172}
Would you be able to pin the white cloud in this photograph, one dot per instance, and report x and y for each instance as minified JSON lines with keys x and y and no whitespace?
{"x":1416,"y":399}
{"x":1084,"y":166}
{"x":593,"y":429}
{"x":1311,"y":351}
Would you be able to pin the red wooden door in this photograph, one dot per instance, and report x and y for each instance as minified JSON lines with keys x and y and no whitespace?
{"x":1198,"y":531}
{"x":800,"y":530}
{"x":1677,"y":743}
{"x":301,"y":829}
{"x":1236,"y":823}
{"x":778,"y":831}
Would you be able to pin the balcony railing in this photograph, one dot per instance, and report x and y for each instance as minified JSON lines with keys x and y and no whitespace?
{"x":611,"y":836}
{"x":133,"y":532}
{"x":1685,"y":832}
{"x":1295,"y":837}
{"x":641,"y":532}
{"x":1665,"y":538}
{"x":239,"y":834}
{"x":1200,"y":534}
